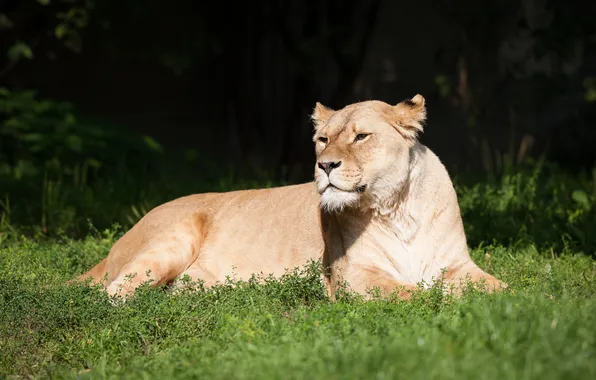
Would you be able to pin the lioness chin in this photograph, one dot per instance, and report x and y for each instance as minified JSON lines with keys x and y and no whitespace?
{"x":381,"y":214}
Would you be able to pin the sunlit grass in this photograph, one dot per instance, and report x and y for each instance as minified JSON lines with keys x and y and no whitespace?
{"x":544,"y":326}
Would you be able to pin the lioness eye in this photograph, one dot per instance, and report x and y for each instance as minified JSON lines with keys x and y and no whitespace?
{"x":323,"y":140}
{"x":361,"y":136}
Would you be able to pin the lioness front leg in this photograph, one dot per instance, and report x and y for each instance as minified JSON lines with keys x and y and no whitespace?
{"x":458,"y":276}
{"x":365,"y":280}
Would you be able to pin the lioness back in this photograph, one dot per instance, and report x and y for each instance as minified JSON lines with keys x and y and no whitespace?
{"x":237,"y":233}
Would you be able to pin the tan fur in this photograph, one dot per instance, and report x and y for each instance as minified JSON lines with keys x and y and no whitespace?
{"x":382,"y":213}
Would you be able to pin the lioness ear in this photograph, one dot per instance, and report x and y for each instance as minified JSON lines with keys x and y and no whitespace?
{"x":320,"y":115}
{"x":408,"y":116}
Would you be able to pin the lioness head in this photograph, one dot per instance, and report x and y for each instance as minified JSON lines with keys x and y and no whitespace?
{"x":363,"y":150}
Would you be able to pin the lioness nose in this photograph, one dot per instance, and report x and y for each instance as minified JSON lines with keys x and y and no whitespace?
{"x":329,"y":166}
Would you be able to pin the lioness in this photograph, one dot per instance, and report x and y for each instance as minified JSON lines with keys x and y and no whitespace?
{"x":382,"y":214}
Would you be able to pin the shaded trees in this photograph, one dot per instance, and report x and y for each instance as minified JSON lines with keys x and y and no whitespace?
{"x":520,"y":74}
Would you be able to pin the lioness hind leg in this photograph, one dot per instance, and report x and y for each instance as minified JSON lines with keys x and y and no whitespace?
{"x":156,"y":268}
{"x":159,"y":259}
{"x":131,"y":276}
{"x":96,"y":275}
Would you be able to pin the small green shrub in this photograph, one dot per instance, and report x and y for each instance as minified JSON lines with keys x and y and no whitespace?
{"x":537,"y":205}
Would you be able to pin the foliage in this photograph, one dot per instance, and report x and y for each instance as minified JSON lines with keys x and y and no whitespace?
{"x":543,"y":327}
{"x":535,"y":204}
{"x":50,"y":161}
{"x":48,"y":26}
{"x":519,"y":73}
{"x":44,"y":134}
{"x":516,"y":73}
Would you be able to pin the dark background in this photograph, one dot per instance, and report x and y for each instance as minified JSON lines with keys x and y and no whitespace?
{"x":235,"y":82}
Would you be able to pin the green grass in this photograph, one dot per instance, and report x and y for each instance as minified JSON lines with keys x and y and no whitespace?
{"x":533,"y":228}
{"x":543,"y":327}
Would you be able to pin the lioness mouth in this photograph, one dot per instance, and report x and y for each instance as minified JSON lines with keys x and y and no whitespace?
{"x":359,"y":189}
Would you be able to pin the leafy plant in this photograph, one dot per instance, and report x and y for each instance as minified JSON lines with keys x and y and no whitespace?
{"x":538,"y":204}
